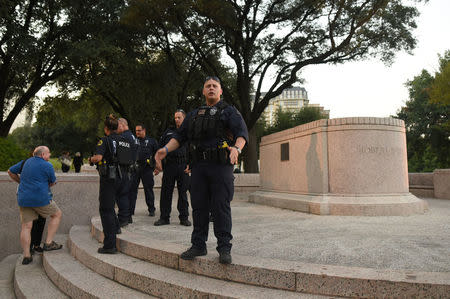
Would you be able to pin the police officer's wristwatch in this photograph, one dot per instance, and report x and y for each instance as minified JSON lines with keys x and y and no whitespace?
{"x":238,"y":149}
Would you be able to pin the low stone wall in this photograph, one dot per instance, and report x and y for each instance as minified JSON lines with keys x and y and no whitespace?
{"x":75,"y":194}
{"x":434,"y":184}
{"x":77,"y":197}
{"x":421,"y":184}
{"x":441,"y":182}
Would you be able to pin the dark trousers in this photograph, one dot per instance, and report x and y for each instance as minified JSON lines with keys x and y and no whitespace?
{"x":174,"y":173}
{"x":107,"y":201}
{"x":37,"y":231}
{"x":212,"y":189}
{"x":65,"y":168}
{"x":122,"y":197}
{"x":145,"y":174}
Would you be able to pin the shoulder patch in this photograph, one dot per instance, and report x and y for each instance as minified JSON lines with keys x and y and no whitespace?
{"x":100,"y":142}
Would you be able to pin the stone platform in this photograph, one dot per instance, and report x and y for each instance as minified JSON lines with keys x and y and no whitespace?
{"x":277,"y":253}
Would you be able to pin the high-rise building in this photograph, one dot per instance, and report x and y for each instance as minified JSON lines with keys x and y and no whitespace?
{"x":291,"y":99}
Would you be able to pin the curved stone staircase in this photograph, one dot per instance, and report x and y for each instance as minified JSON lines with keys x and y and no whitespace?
{"x":149,"y":268}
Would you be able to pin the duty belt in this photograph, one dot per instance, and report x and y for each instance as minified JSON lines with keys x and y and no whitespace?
{"x":219,"y":155}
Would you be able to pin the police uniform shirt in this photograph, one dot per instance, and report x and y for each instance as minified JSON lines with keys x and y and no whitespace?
{"x":231,"y":118}
{"x":165,"y":138}
{"x":106,"y":147}
{"x":148,"y":147}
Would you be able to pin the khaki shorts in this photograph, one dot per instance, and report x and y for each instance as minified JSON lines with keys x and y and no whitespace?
{"x":28,"y":214}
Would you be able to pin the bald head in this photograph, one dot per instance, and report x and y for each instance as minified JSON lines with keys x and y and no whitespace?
{"x":123,"y":125}
{"x":42,"y":151}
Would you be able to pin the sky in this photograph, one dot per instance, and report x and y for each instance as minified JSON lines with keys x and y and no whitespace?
{"x":370,"y":88}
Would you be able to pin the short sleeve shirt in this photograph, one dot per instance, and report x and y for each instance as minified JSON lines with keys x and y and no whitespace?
{"x":147,"y":148}
{"x":35,"y":179}
{"x":106,"y":147}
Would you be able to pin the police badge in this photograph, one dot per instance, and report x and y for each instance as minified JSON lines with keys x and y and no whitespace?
{"x":213,"y":111}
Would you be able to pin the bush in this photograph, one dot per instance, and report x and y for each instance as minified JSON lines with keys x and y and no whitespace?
{"x":10,"y":153}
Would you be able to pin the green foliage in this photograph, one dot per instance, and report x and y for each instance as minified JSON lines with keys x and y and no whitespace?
{"x":65,"y":124}
{"x":285,"y":119}
{"x":427,"y":123}
{"x":10,"y":153}
{"x":440,"y":89}
{"x":42,"y":41}
{"x":271,"y":40}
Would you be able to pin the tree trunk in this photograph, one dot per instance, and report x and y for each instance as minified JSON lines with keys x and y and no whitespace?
{"x":4,"y":129}
{"x":251,"y":153}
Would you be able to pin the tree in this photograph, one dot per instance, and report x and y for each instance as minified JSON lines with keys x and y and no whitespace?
{"x":285,"y":119}
{"x":427,"y":124}
{"x":65,"y":124}
{"x":42,"y":41}
{"x":440,"y":90}
{"x":281,"y":37}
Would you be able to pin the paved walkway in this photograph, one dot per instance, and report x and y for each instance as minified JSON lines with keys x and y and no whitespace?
{"x":420,"y":242}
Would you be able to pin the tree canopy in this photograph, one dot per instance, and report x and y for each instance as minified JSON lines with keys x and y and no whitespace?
{"x":154,"y":54}
{"x":271,"y":41}
{"x":427,"y":122}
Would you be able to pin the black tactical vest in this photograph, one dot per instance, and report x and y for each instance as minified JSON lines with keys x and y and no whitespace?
{"x":206,"y":124}
{"x":124,"y":151}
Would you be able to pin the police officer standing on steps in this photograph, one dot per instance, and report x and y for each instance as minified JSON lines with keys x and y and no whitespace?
{"x":112,"y":154}
{"x":175,"y":169}
{"x":216,"y":133}
{"x":145,"y":166}
{"x":123,"y":201}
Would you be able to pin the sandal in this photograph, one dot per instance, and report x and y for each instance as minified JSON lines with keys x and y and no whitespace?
{"x":52,"y":246}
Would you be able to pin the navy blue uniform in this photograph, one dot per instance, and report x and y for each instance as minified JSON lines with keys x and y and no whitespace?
{"x":123,"y":201}
{"x":173,"y":166}
{"x":109,"y":190}
{"x":212,"y":179}
{"x":145,"y":158}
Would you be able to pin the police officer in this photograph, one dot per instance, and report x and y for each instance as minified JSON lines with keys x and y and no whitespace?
{"x":146,"y":164}
{"x":123,"y":201}
{"x":216,"y":133}
{"x":175,"y":169}
{"x":110,"y":152}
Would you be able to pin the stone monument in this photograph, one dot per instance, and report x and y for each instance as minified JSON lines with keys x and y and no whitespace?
{"x":344,"y":166}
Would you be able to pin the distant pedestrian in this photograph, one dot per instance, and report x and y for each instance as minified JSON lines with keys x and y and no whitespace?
{"x":77,"y":162}
{"x":65,"y":161}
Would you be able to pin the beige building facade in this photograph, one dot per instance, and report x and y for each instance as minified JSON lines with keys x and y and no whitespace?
{"x":291,"y":99}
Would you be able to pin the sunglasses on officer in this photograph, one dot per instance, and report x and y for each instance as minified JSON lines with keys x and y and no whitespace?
{"x":212,"y":78}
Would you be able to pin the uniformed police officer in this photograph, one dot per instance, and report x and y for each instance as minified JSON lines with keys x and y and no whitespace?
{"x":111,"y":151}
{"x":123,"y":199}
{"x":175,"y":170}
{"x":146,"y":164}
{"x":216,"y":134}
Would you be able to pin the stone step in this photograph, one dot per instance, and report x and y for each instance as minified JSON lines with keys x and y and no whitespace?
{"x":7,"y":266}
{"x":329,"y":280}
{"x":78,"y":281}
{"x":30,"y":281}
{"x":162,"y":281}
